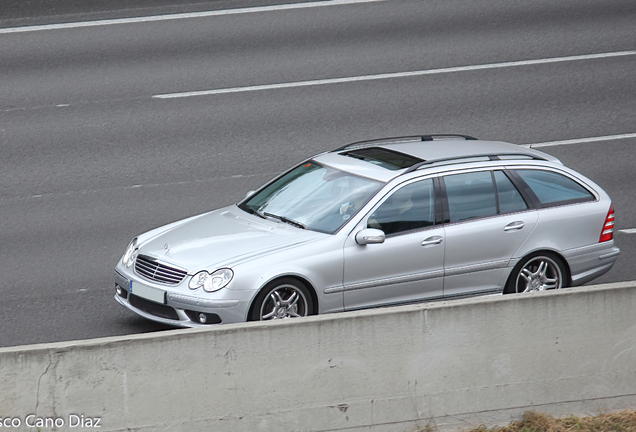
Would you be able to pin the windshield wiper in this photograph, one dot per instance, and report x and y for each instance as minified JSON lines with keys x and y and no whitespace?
{"x":253,"y":211}
{"x":265,"y":215}
{"x":286,"y":220}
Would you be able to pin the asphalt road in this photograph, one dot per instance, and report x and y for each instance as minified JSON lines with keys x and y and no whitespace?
{"x":90,"y":158}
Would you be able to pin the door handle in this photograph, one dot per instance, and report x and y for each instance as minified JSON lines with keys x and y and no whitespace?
{"x":432,"y":241}
{"x":513,"y":226}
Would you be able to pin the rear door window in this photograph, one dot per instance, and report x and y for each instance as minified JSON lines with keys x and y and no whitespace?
{"x":481,"y":194}
{"x":470,"y":195}
{"x":552,"y":188}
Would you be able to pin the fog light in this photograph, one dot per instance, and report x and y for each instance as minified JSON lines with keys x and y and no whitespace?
{"x":202,"y":318}
{"x":118,"y":291}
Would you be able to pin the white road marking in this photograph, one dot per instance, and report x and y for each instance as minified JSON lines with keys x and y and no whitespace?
{"x":179,"y":16}
{"x":263,"y":176}
{"x":581,"y":140}
{"x":393,"y":75}
{"x":628,"y":231}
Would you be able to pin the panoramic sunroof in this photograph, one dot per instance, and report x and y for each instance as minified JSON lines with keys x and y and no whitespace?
{"x":389,"y":159}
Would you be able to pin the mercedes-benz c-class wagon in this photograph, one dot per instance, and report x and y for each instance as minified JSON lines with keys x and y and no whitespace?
{"x":376,"y":223}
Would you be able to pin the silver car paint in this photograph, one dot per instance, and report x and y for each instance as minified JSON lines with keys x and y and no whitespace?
{"x":443,"y":148}
{"x":223,"y":238}
{"x":577,"y":241}
{"x":345,"y":275}
{"x":478,"y":252}
{"x":414,"y":272}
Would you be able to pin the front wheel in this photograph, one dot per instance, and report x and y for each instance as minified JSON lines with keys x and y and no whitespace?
{"x":285,"y":298}
{"x":537,"y":272}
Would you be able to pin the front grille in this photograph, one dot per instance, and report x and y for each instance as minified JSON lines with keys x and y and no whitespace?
{"x":153,"y":308}
{"x":158,"y":271}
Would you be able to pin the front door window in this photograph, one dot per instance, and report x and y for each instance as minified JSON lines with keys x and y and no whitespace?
{"x":411,"y":207}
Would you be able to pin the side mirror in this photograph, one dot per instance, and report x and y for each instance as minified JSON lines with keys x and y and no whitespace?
{"x":249,"y":194}
{"x":370,"y":236}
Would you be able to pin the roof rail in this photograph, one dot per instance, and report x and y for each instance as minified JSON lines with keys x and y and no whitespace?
{"x":414,"y":138}
{"x":490,"y":156}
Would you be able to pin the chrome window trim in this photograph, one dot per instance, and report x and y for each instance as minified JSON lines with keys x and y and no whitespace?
{"x":492,"y":168}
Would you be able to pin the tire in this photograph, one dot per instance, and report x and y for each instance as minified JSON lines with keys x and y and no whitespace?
{"x":537,"y":272}
{"x":281,"y":299}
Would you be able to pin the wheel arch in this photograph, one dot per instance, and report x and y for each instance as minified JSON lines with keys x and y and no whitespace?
{"x":276,"y":279}
{"x":566,"y":265}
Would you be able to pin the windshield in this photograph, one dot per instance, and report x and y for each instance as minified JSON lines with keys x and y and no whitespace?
{"x":313,"y":196}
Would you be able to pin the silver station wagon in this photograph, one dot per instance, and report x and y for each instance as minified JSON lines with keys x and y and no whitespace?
{"x":376,"y":223}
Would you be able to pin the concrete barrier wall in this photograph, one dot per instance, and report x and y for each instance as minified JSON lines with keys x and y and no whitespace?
{"x":453,"y":364}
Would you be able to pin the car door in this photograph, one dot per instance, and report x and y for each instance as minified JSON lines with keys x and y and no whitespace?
{"x":487,"y":221}
{"x":408,"y":265}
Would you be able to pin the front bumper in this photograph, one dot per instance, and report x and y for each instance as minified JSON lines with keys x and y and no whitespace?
{"x":171,"y":307}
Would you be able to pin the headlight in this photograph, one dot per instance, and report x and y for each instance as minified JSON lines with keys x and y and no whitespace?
{"x":130,"y":254}
{"x":211,"y":282}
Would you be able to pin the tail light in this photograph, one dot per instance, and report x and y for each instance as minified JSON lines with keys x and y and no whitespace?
{"x":608,"y":226}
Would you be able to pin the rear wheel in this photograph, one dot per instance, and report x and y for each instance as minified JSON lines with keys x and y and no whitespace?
{"x":538,"y":272}
{"x":284,"y":298}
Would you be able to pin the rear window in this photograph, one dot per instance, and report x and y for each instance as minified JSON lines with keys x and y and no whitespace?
{"x":552,"y":188}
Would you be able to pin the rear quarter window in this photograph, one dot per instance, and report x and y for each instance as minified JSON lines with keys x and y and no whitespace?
{"x":552,"y":188}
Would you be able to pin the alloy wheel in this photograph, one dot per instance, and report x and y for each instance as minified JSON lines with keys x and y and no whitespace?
{"x":538,"y":274}
{"x":284,"y":301}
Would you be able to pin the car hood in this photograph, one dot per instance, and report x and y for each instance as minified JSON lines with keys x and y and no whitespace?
{"x":223,"y":238}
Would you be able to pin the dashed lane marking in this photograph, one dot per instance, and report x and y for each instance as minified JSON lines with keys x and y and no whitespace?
{"x":179,"y":16}
{"x":393,"y":75}
{"x":581,"y":140}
